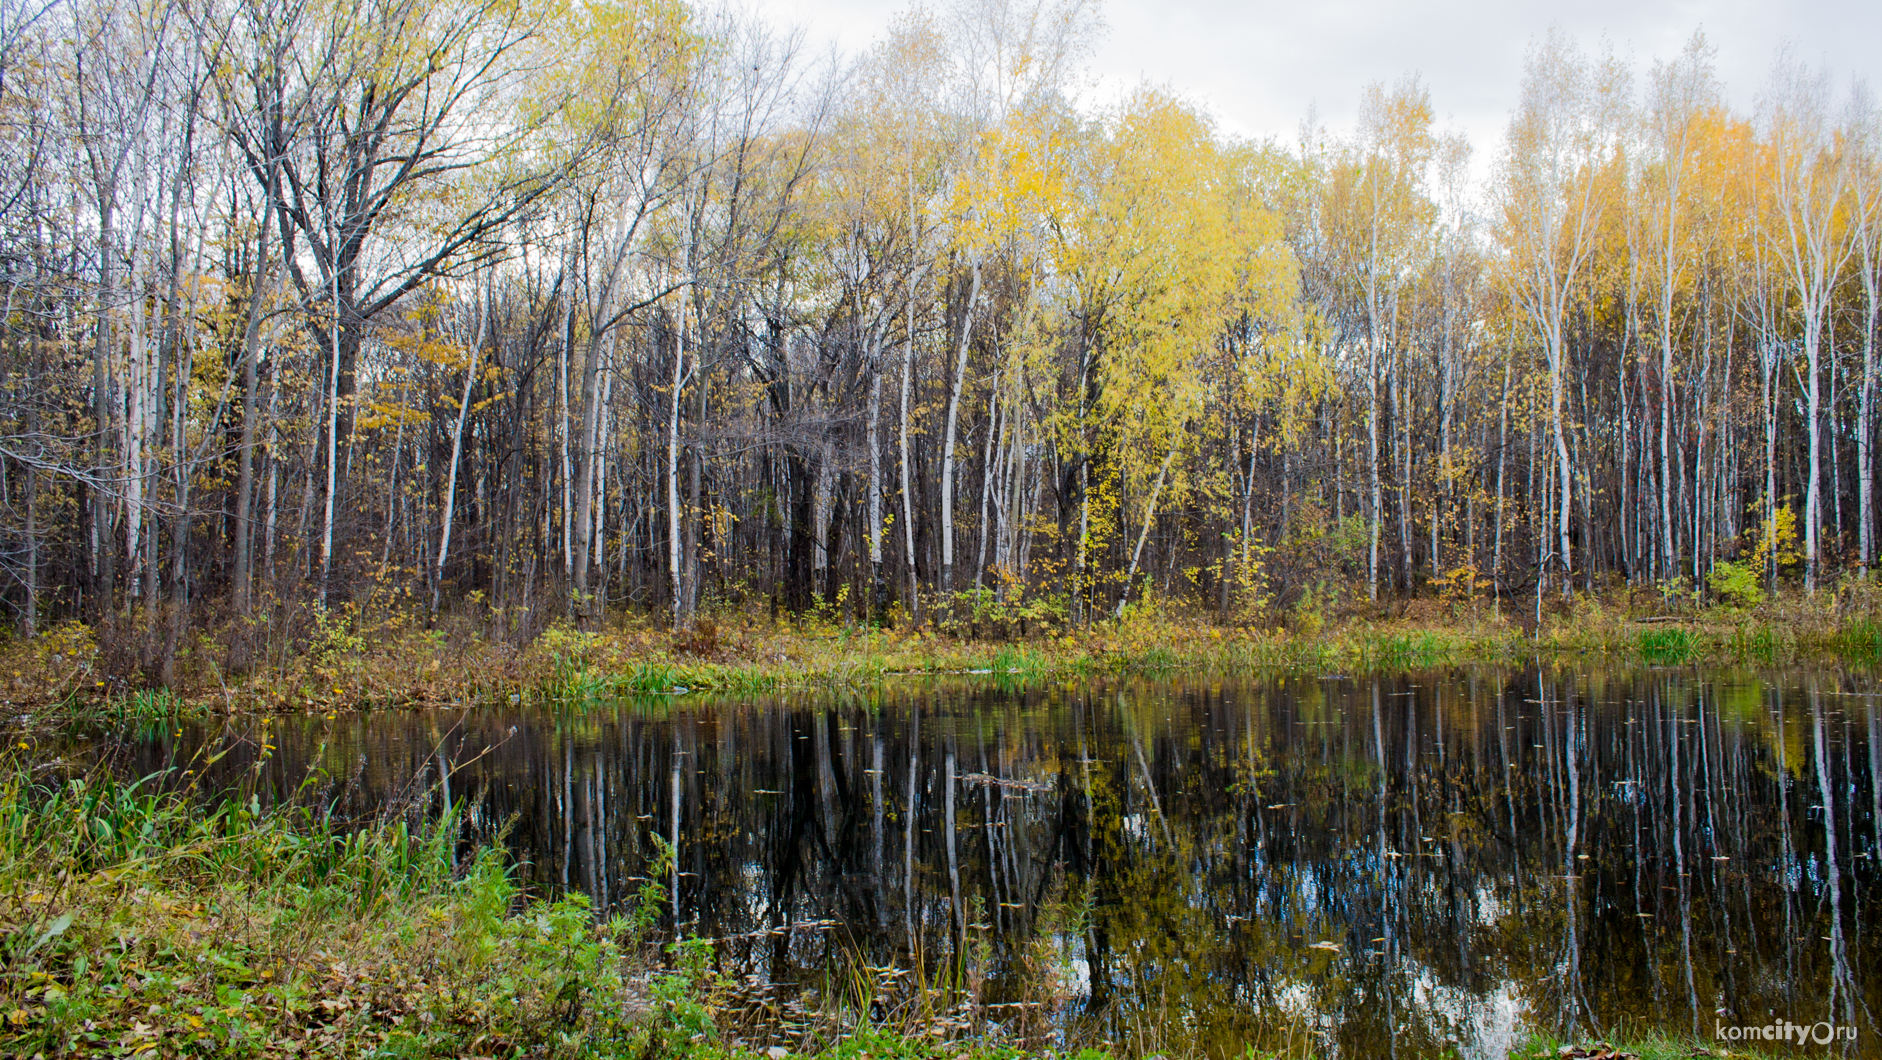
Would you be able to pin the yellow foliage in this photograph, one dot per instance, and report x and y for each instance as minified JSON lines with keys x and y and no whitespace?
{"x":1166,"y":253}
{"x":1775,"y":538}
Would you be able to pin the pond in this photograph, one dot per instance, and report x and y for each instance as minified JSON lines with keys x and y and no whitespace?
{"x":1376,"y":866}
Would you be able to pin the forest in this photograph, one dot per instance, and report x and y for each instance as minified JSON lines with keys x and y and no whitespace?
{"x":554,"y":310}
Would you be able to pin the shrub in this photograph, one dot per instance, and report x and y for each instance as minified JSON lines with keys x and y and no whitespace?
{"x":1737,"y":583}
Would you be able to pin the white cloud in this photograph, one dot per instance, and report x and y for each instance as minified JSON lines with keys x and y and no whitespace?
{"x":1259,"y":65}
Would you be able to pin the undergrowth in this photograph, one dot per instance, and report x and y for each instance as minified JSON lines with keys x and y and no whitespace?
{"x":137,"y":920}
{"x":352,"y":663}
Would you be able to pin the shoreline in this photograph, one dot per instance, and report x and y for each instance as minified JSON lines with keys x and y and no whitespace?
{"x":391,"y":662}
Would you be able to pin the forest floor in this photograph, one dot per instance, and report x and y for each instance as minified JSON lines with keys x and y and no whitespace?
{"x":350,"y":660}
{"x":143,"y":922}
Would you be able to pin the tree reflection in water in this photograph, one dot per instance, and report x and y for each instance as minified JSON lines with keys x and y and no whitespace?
{"x":1367,"y":867}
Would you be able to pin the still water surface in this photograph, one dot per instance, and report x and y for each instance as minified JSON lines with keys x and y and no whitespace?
{"x":1406,"y":865}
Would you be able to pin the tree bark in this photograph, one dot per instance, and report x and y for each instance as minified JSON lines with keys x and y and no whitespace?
{"x":947,"y":452}
{"x":676,"y":572}
{"x":457,"y":451}
{"x":877,"y":591}
{"x":1150,"y":514}
{"x":909,"y":507}
{"x":585,"y":473}
{"x":251,"y":408}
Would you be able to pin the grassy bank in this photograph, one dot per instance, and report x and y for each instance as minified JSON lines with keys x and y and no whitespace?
{"x":141,"y":923}
{"x":138,"y":923}
{"x":352,"y":660}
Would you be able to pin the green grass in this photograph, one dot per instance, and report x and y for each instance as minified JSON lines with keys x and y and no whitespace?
{"x":1017,"y":659}
{"x":1417,"y":650}
{"x":139,"y":921}
{"x":1650,"y":1047}
{"x":132,"y":710}
{"x":1667,"y":646}
{"x":1155,"y":646}
{"x":1758,"y":642}
{"x":571,"y":678}
{"x":1861,"y":639}
{"x":578,"y":681}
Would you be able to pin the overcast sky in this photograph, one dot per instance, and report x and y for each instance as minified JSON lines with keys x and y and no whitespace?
{"x":1257,"y":65}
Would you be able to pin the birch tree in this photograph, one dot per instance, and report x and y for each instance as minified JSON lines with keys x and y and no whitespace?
{"x":1680,"y":95}
{"x":1551,"y":195}
{"x":1807,"y":181}
{"x":1394,"y":146}
{"x":1863,"y":125}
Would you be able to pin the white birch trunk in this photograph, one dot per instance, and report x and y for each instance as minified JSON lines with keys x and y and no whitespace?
{"x":457,"y":451}
{"x":988,"y":476}
{"x":875,"y":460}
{"x":676,"y":573}
{"x":333,"y":420}
{"x":1150,"y":514}
{"x":562,"y":445}
{"x":820,"y":516}
{"x":947,"y":451}
{"x":909,"y":507}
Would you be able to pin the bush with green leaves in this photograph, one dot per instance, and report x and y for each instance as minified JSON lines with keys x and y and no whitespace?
{"x":1737,"y":584}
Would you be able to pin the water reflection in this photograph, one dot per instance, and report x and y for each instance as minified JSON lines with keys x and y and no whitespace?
{"x":1386,"y":867}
